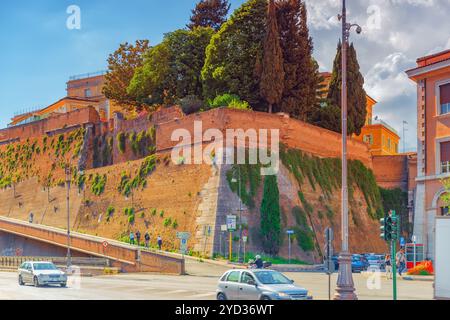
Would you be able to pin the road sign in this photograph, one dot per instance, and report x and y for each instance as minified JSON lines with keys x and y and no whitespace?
{"x":207,"y":231}
{"x":223,"y":228}
{"x":244,"y":238}
{"x":290,"y":231}
{"x":183,"y":245}
{"x":183,"y":235}
{"x":402,"y":242}
{"x":231,"y":223}
{"x":105,"y":244}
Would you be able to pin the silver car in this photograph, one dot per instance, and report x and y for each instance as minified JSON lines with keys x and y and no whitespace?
{"x":41,"y":273}
{"x":256,"y":284}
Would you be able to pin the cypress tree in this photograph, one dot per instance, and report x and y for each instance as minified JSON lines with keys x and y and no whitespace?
{"x":209,"y":13}
{"x":356,"y":96}
{"x":272,"y":76}
{"x":270,"y":216}
{"x":301,"y":71}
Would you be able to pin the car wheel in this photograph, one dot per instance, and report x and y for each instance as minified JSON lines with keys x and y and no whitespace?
{"x":63,"y":285}
{"x":36,"y":282}
{"x":221,"y":296}
{"x":21,"y":283}
{"x":266,"y":298}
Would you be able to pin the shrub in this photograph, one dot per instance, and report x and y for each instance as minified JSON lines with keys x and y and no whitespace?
{"x":121,"y":139}
{"x":191,"y":104}
{"x":110,"y":211}
{"x":154,"y":212}
{"x":175,"y":224}
{"x":223,"y":100}
{"x":167,"y":222}
{"x":98,"y":185}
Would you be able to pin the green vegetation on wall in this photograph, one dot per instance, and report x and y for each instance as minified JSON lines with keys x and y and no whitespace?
{"x":326,"y":174}
{"x":396,"y":199}
{"x":250,"y":180}
{"x":98,"y":185}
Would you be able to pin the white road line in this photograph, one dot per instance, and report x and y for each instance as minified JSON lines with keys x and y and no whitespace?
{"x":203,"y":295}
{"x":174,"y":292}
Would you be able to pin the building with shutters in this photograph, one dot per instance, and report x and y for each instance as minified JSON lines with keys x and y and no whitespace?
{"x":432,"y":76}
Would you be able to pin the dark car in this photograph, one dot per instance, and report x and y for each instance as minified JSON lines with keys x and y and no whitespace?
{"x":336,"y":262}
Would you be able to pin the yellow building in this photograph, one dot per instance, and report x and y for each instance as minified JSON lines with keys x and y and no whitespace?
{"x":380,"y":136}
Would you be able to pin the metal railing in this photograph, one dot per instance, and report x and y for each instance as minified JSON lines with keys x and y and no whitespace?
{"x":87,"y":75}
{"x":16,"y":261}
{"x":384,"y":123}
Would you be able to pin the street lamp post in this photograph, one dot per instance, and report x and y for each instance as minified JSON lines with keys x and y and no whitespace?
{"x":345,"y":287}
{"x":68,"y":179}
{"x":240,"y":213}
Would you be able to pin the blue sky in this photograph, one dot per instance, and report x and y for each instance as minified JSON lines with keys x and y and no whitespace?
{"x":39,"y":53}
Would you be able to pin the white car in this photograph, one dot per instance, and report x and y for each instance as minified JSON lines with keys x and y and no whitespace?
{"x":258,"y":284}
{"x":41,"y":273}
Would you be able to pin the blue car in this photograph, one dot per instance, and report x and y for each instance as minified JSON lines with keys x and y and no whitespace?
{"x":358,"y":263}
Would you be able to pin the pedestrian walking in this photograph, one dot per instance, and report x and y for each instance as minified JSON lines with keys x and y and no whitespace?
{"x":138,"y":238}
{"x":31,"y":217}
{"x":159,"y":242}
{"x":400,"y":260}
{"x":147,"y":240}
{"x":388,"y":266}
{"x":131,"y":237}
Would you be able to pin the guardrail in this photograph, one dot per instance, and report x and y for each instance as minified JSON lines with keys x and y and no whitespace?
{"x":15,"y":262}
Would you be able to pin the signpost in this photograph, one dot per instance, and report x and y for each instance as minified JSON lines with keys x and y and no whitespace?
{"x":244,"y":240}
{"x":184,"y":237}
{"x":231,"y":226}
{"x":289,"y":233}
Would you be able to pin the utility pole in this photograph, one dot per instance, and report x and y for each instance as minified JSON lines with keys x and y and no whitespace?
{"x":68,"y":179}
{"x":345,"y":286}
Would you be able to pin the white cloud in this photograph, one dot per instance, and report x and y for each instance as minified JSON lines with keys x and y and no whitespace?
{"x":387,"y":79}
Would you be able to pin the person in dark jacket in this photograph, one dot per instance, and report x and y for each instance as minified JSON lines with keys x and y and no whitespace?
{"x":159,"y":242}
{"x":147,"y":240}
{"x":258,"y":262}
{"x":138,"y":238}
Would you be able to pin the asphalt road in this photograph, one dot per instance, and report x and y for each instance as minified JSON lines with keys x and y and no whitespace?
{"x":200,"y":284}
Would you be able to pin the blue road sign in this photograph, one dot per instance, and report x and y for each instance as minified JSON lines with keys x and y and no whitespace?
{"x":402,"y":242}
{"x":290,"y":231}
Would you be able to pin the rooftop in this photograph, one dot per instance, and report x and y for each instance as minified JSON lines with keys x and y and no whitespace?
{"x":88,"y":75}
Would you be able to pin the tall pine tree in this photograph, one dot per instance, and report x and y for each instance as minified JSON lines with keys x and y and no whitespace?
{"x":270,"y":216}
{"x":301,"y":71}
{"x":209,"y":13}
{"x":272,"y":75}
{"x":356,"y":96}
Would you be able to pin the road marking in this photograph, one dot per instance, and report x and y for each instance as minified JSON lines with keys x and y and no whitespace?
{"x":174,"y":292}
{"x":203,"y":295}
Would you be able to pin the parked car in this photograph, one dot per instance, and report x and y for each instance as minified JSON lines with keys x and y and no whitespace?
{"x":336,"y":262}
{"x":376,"y":261}
{"x":40,"y":274}
{"x":358,"y":263}
{"x":258,"y":284}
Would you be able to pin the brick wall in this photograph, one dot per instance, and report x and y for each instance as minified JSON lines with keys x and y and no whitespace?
{"x":391,"y":171}
{"x":293,"y":133}
{"x":49,"y":125}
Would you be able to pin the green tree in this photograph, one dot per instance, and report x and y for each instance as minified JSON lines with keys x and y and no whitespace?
{"x":232,"y":55}
{"x":172,"y":69}
{"x":272,"y":75}
{"x":209,"y":13}
{"x":356,"y":94}
{"x":270,"y":216}
{"x":121,"y":67}
{"x":301,"y":71}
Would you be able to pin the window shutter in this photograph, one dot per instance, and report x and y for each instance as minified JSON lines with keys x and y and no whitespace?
{"x":445,"y":151}
{"x":445,"y":94}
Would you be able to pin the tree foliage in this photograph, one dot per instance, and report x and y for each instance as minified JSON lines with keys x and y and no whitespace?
{"x":270,"y":216}
{"x":233,"y":55}
{"x":171,"y":70}
{"x":209,"y":13}
{"x":356,"y":94}
{"x":301,"y":71}
{"x":272,"y":75}
{"x":121,"y":66}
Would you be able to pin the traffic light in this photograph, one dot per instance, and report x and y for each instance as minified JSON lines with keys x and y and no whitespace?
{"x":386,"y":227}
{"x":395,"y":226}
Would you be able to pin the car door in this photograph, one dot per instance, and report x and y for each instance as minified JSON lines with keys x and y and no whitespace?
{"x":247,"y":287}
{"x":231,"y":285}
{"x":27,"y":273}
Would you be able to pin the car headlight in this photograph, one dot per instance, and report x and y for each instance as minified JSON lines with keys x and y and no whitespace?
{"x":283,"y":295}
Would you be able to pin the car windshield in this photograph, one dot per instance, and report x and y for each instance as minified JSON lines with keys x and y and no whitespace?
{"x":272,"y":277}
{"x":372,"y":258}
{"x":44,"y":266}
{"x":356,"y":258}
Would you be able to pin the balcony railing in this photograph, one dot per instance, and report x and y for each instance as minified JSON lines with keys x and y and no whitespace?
{"x":379,"y":121}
